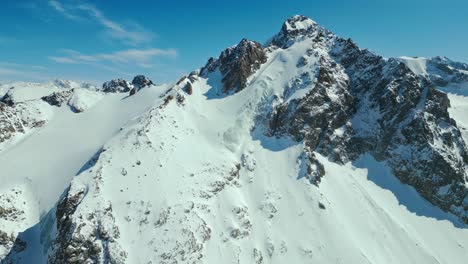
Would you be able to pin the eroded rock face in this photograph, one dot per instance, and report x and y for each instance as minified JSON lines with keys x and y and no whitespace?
{"x":89,"y":241}
{"x":21,"y":118}
{"x":58,"y":98}
{"x":295,"y":28}
{"x":413,"y":131}
{"x":237,"y":64}
{"x":7,"y":98}
{"x":141,"y":81}
{"x":117,"y":86}
{"x":361,"y":103}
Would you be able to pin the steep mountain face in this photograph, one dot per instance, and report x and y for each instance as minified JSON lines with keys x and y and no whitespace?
{"x":236,"y":64}
{"x":308,"y":149}
{"x":411,"y":129}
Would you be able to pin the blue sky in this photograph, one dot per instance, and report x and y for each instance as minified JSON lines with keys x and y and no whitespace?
{"x":100,"y":40}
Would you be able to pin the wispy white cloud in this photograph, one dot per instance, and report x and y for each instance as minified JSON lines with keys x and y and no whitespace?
{"x":64,"y":60}
{"x":62,"y":10}
{"x":119,"y":62}
{"x":138,"y":57}
{"x":133,"y":34}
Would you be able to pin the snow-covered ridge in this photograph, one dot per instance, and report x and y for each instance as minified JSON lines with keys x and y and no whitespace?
{"x":440,"y":70}
{"x":299,"y":159}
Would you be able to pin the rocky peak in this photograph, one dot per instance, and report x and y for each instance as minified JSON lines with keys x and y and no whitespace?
{"x":295,"y":28}
{"x":8,"y":98}
{"x":297,"y":25}
{"x":141,"y":81}
{"x":117,"y":86}
{"x":237,"y":63}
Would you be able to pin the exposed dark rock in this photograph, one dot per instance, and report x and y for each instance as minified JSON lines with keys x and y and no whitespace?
{"x":238,"y":63}
{"x":188,"y":88}
{"x":314,"y":117}
{"x":413,"y":116}
{"x":132,"y":91}
{"x":293,"y":29}
{"x":411,"y":129}
{"x":321,"y":206}
{"x":117,"y":86}
{"x":209,"y":67}
{"x":17,"y":118}
{"x":7,"y":98}
{"x":141,"y":81}
{"x":58,"y":98}
{"x":70,"y":246}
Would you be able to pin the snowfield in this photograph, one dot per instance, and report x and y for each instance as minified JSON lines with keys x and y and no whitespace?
{"x":55,"y":153}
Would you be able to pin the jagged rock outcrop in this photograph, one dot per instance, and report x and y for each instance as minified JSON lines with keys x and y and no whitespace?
{"x":58,"y":98}
{"x":294,"y":29}
{"x":237,"y":64}
{"x":117,"y":86}
{"x":141,"y":81}
{"x":20,"y":118}
{"x":361,"y":103}
{"x":412,"y":131}
{"x":91,"y":245}
{"x":8,"y":98}
{"x":15,"y":216}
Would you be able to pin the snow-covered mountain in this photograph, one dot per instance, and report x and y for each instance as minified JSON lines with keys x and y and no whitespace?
{"x":305,"y":149}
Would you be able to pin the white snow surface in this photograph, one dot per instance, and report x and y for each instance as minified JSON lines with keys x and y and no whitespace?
{"x":56,"y":152}
{"x":26,"y":91}
{"x":83,"y":99}
{"x":199,"y":179}
{"x":416,"y":64}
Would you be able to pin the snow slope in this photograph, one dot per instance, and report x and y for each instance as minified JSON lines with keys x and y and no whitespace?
{"x":54,"y":154}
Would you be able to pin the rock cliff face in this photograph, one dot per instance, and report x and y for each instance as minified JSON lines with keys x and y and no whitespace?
{"x":413,"y":132}
{"x":58,"y":98}
{"x":361,"y":103}
{"x":20,"y":118}
{"x":237,"y":63}
{"x":141,"y":81}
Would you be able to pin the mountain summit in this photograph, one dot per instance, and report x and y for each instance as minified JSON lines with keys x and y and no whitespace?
{"x":307,"y":149}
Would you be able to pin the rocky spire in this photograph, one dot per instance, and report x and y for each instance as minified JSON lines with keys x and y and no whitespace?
{"x":236,"y":64}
